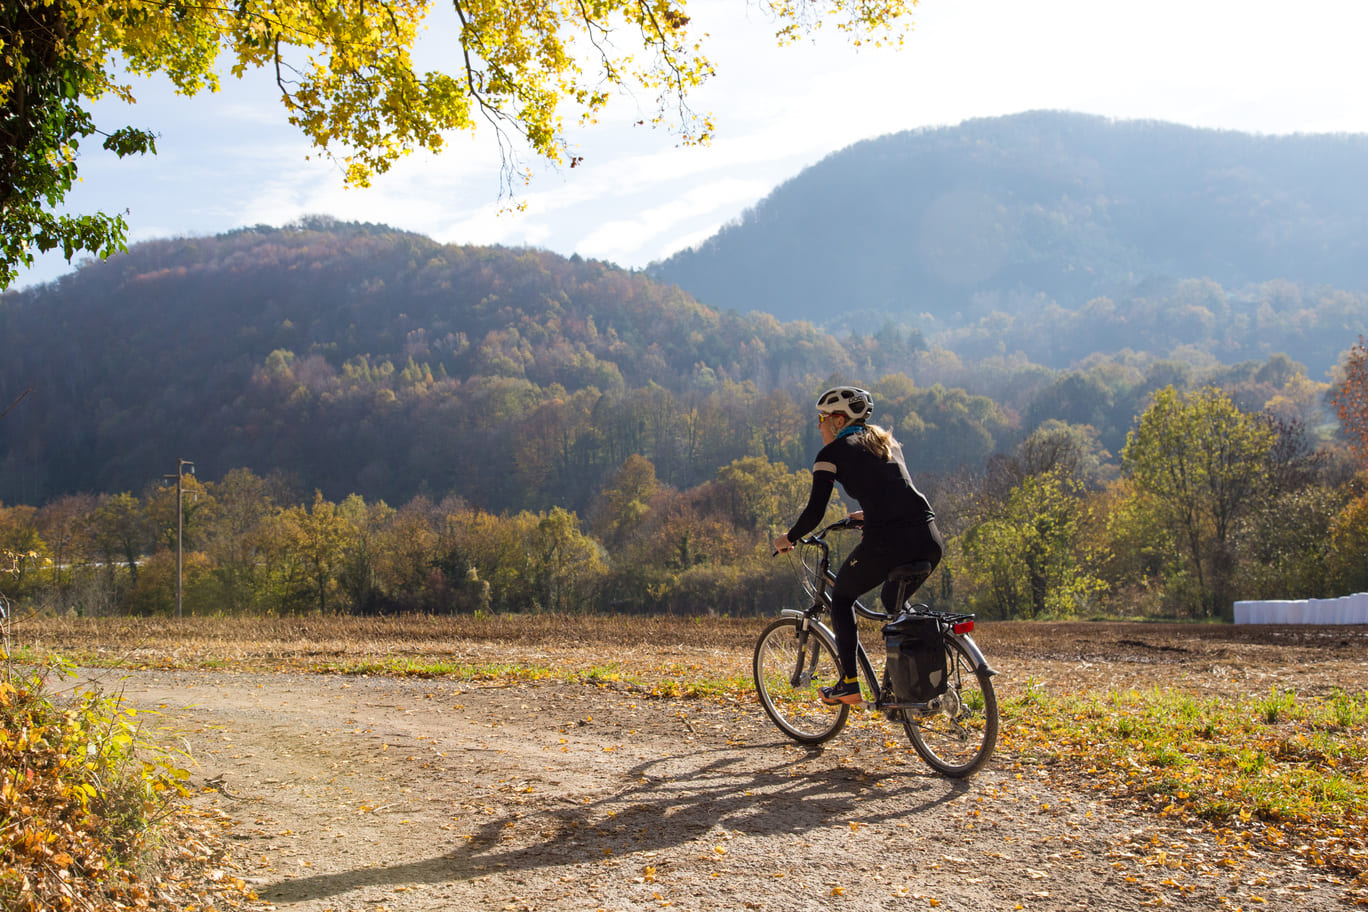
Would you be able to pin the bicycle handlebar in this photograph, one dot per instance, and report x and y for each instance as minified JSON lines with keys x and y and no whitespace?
{"x":815,"y":538}
{"x":839,"y":525}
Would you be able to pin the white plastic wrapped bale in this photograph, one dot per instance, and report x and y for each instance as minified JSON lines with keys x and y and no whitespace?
{"x":1349,"y":609}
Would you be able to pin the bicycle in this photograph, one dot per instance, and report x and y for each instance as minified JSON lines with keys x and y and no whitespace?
{"x":954,"y":731}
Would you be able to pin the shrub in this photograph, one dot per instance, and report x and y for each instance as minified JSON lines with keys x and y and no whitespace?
{"x":80,"y":794}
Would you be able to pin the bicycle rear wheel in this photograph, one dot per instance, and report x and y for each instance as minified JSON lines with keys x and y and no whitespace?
{"x":789,"y":665}
{"x":957,"y":739}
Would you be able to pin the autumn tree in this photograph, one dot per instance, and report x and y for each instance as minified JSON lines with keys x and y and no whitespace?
{"x":161,"y":508}
{"x":22,"y":551}
{"x":62,"y":525}
{"x":1200,"y":463}
{"x":1348,"y":545}
{"x":778,"y":428}
{"x":623,"y":504}
{"x":235,"y":537}
{"x":1351,"y":398}
{"x":1027,"y":557}
{"x":949,"y":429}
{"x":359,"y":573}
{"x":564,"y":563}
{"x":761,"y":495}
{"x":407,"y":571}
{"x":531,"y":561}
{"x":120,"y":534}
{"x":46,"y":82}
{"x":314,"y":543}
{"x":1070,"y":450}
{"x":347,"y":80}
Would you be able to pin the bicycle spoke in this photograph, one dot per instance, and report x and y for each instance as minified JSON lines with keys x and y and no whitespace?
{"x":958,"y":738}
{"x":789,"y":665}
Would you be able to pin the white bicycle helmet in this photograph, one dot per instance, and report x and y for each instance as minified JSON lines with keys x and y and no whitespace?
{"x":855,"y":403}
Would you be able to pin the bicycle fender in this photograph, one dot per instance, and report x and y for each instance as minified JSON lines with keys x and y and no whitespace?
{"x":975,"y":654}
{"x":811,"y":622}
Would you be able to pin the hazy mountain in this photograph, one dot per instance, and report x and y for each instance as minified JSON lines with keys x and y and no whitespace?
{"x":956,"y":223}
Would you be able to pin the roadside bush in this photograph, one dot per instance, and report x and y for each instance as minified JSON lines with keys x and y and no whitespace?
{"x":155,"y":592}
{"x":732,"y":591}
{"x":80,"y":795}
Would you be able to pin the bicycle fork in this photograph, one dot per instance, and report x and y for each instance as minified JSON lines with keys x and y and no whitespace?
{"x":802,"y":677}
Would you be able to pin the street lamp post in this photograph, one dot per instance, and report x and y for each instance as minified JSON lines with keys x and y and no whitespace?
{"x":181,"y":466}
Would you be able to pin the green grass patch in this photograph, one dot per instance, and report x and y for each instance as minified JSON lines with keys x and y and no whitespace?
{"x":669,"y":684}
{"x":1292,"y":763}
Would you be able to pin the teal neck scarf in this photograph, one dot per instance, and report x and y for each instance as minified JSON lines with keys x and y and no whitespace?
{"x":853,"y":429}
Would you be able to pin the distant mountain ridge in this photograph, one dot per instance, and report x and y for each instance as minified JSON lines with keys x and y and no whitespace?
{"x":939,"y":227}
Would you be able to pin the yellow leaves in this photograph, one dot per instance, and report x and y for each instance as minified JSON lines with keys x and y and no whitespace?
{"x":349,"y":82}
{"x":72,"y":789}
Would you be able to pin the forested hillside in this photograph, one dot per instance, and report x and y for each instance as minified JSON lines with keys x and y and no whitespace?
{"x":383,"y":423}
{"x":362,"y":359}
{"x":1027,"y":219}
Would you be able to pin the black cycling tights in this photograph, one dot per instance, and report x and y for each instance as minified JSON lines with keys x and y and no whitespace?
{"x":867,"y":566}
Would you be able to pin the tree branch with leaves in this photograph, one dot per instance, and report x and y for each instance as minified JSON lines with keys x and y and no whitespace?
{"x":348,"y":81}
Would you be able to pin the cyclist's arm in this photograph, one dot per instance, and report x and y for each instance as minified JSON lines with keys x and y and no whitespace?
{"x":822,"y":483}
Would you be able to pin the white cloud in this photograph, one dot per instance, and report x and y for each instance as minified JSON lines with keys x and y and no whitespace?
{"x":637,"y":240}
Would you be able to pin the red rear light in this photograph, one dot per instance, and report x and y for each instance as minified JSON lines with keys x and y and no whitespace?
{"x":964,"y":627}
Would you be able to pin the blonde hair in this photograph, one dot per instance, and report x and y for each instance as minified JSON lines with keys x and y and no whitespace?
{"x":877,"y":440}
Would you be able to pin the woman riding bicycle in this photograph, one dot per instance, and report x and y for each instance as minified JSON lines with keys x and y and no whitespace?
{"x":899,"y":526}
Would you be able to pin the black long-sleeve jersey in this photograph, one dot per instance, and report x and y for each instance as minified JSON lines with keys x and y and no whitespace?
{"x":882,"y":487}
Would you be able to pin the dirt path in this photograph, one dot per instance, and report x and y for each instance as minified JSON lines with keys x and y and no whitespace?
{"x":387,"y":794}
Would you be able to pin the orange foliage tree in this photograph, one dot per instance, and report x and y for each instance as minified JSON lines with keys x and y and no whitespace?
{"x":1351,"y":399}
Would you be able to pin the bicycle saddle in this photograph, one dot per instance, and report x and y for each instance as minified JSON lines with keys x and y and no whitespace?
{"x":916,"y":570}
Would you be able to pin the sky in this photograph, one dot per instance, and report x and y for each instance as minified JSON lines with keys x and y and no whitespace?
{"x":230,"y":159}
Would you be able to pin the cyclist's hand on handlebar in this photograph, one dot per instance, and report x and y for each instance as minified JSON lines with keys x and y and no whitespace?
{"x":781,"y":544}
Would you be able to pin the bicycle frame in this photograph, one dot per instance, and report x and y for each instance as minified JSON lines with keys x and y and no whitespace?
{"x":957,"y":627}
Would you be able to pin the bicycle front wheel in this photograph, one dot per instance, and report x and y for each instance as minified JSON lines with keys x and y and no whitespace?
{"x":790,"y":664}
{"x":959,"y":737}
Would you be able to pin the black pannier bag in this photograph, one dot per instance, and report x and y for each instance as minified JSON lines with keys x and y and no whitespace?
{"x":916,"y":658}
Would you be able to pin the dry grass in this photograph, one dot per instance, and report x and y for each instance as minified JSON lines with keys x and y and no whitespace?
{"x":565,"y":647}
{"x":1210,"y":659}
